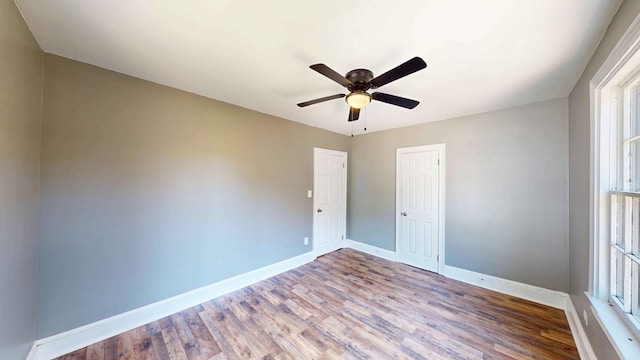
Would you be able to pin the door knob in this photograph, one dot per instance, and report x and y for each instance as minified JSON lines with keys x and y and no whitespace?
{"x":404,"y":213}
{"x":319,"y":210}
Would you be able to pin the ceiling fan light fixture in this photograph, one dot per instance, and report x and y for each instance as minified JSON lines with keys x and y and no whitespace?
{"x":358,"y":99}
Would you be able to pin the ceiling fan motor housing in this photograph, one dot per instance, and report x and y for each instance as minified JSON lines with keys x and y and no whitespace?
{"x":360,"y":78}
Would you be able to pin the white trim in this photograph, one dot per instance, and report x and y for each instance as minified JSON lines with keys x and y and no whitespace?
{"x":316,"y":152}
{"x":441,"y":148}
{"x":628,"y":44}
{"x":623,"y":52}
{"x":80,"y":337}
{"x":556,"y":299}
{"x":616,"y":330}
{"x":579,"y":335}
{"x":604,"y":114}
{"x":371,"y":250}
{"x":442,"y":203}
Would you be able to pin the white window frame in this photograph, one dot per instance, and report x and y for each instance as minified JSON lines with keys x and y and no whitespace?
{"x":607,"y":106}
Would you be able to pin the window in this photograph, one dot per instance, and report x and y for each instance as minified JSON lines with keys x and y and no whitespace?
{"x":624,"y":206}
{"x":615,"y":225}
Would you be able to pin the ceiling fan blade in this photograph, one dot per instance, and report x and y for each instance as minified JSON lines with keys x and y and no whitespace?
{"x":395,"y":100}
{"x":354,"y":114}
{"x":399,"y":71}
{"x":331,"y":74}
{"x":326,"y":98}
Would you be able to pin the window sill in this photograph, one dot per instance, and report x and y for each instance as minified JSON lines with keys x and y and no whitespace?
{"x":625,"y":343}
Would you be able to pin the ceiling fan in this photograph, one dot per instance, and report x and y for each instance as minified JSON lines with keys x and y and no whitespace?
{"x":359,"y":81}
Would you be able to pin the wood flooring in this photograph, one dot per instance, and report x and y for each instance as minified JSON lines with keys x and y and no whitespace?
{"x":349,"y":305}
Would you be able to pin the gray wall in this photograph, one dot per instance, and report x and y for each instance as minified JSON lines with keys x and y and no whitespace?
{"x":149,"y":192}
{"x":506,"y":190}
{"x":20,"y":109}
{"x":579,"y":178}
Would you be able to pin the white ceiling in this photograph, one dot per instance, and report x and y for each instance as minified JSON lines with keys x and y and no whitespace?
{"x":481,"y":55}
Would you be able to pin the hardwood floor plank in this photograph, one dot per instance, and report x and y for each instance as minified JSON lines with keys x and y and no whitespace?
{"x":264,"y":343}
{"x":513,"y":354}
{"x":76,"y":355}
{"x":562,"y":337}
{"x":350,"y":305}
{"x":95,"y":351}
{"x":159,"y":346}
{"x":260,"y":349}
{"x":124,"y":346}
{"x":340,"y":331}
{"x":187,"y":340}
{"x":286,"y":329}
{"x":423,"y":349}
{"x":233,"y":331}
{"x":171,"y":338}
{"x":110,"y":348}
{"x":204,"y":341}
{"x":142,"y":344}
{"x":452,"y":345}
{"x":206,"y":315}
{"x":295,"y":308}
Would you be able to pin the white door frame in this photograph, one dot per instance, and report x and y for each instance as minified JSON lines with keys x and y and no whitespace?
{"x":317,"y":151}
{"x":441,"y":148}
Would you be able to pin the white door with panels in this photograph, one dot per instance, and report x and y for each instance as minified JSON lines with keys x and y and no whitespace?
{"x":330,"y":200}
{"x":420,"y":206}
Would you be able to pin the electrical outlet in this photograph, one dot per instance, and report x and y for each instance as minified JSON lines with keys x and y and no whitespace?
{"x":309,"y":193}
{"x":585,"y":317}
{"x":306,"y":240}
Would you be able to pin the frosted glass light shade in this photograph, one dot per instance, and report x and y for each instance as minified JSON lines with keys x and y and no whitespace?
{"x":358,"y":99}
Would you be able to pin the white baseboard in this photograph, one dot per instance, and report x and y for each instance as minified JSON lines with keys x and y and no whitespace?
{"x":68,"y":341}
{"x":579,"y":335}
{"x":372,"y":250}
{"x":556,"y":299}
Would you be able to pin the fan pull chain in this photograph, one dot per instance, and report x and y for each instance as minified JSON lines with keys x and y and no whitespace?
{"x":365,"y":119}
{"x":352,"y":129}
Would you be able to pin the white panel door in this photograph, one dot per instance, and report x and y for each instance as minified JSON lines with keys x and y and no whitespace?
{"x":330,"y":209}
{"x":419,"y":207}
